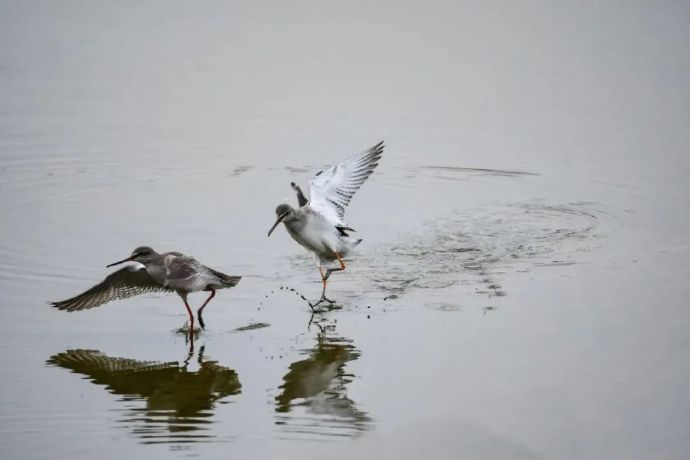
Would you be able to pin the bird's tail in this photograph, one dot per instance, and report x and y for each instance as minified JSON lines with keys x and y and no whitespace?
{"x":228,"y":280}
{"x":354,"y":242}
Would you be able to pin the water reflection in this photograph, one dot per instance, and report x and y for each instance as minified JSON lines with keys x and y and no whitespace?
{"x":314,"y":399}
{"x":179,"y":401}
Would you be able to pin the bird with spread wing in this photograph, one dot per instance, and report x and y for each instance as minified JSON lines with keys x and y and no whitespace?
{"x":154,"y":272}
{"x":318,"y":223}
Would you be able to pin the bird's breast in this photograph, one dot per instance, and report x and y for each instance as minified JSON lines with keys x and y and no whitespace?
{"x":316,"y":235}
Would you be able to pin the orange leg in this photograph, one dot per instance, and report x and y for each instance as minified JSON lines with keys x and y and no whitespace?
{"x":331,"y":270}
{"x":323,"y":291}
{"x":324,"y":280}
{"x":342,"y":263}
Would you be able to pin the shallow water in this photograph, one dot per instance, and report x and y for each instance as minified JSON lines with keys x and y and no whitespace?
{"x":521,"y":289}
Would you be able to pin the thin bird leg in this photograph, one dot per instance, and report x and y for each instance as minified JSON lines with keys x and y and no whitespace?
{"x":323,"y":292}
{"x":191,"y":318}
{"x":324,"y":279}
{"x":198,"y":312}
{"x":323,"y":295}
{"x":331,"y":270}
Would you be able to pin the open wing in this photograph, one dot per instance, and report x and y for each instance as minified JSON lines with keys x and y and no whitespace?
{"x":122,"y":284}
{"x":331,"y":190}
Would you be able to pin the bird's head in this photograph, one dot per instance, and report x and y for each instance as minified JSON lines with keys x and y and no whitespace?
{"x":284,"y":212}
{"x":142,"y":254}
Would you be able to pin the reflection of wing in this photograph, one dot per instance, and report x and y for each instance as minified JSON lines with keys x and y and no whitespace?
{"x":167,"y":386}
{"x":331,"y":190}
{"x":179,"y":403}
{"x":124,"y":283}
{"x":120,"y":375}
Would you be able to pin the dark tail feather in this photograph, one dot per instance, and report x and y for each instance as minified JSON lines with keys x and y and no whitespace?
{"x":343,"y":230}
{"x":228,"y":280}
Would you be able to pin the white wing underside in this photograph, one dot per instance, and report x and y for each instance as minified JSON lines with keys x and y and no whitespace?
{"x":331,"y":190}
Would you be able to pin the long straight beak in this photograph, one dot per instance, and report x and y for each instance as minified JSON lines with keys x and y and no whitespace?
{"x":278,"y":220}
{"x":120,"y":262}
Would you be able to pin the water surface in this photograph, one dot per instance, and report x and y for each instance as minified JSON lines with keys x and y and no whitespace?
{"x":521,"y":290}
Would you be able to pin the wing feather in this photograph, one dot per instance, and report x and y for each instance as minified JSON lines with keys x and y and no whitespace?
{"x":122,"y":284}
{"x":331,"y":190}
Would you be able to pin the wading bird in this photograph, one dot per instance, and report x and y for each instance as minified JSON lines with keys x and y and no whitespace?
{"x":167,"y":272}
{"x":318,"y":223}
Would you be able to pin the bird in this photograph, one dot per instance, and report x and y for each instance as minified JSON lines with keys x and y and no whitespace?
{"x":154,"y":272}
{"x":318,"y":223}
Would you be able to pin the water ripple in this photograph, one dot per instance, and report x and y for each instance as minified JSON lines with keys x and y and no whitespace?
{"x":475,"y":248}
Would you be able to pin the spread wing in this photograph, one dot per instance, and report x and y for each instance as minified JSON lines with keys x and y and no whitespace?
{"x":331,"y":190}
{"x":122,"y":284}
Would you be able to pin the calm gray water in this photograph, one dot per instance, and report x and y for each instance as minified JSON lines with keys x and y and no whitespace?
{"x":521,"y":291}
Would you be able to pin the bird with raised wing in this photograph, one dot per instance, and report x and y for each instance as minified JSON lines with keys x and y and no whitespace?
{"x":167,"y":272}
{"x":318,"y":223}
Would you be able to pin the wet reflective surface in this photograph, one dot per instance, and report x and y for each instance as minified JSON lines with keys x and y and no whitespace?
{"x":178,"y":402}
{"x":521,"y":290}
{"x":317,"y":386}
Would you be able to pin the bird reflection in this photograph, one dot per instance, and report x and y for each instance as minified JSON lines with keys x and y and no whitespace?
{"x":179,"y":402}
{"x":316,"y":388}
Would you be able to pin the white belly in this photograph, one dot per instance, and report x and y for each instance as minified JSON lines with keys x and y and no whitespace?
{"x":320,"y":237}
